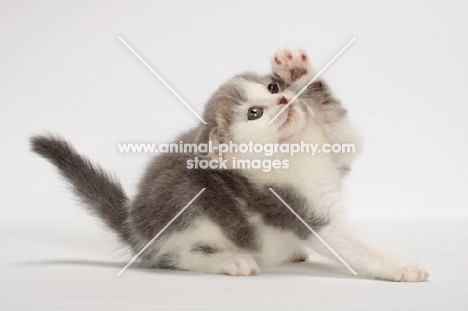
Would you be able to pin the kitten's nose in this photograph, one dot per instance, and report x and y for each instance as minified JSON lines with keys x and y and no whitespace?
{"x":282,"y":100}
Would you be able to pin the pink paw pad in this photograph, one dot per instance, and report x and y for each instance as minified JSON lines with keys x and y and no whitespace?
{"x":291,"y":65}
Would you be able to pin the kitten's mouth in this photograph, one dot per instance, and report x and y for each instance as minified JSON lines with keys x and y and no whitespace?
{"x":286,"y":116}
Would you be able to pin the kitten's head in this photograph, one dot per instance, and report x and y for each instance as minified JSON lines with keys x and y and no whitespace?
{"x":242,"y":108}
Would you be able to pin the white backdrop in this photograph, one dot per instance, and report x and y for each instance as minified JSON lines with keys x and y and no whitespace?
{"x":62,"y":69}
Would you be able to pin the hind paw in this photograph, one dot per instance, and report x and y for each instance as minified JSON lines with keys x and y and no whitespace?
{"x":300,"y":255}
{"x":239,"y":265}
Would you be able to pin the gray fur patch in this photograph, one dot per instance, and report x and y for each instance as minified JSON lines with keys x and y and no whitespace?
{"x":98,"y":190}
{"x":168,"y":185}
{"x":322,"y":99}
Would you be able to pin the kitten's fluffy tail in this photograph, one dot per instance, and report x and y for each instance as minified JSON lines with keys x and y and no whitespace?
{"x":102,"y":193}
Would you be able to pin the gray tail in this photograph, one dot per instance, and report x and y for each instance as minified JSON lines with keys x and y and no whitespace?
{"x":102,"y":193}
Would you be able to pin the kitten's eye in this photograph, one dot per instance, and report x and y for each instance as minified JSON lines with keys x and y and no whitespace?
{"x":273,"y":88}
{"x":254,"y":113}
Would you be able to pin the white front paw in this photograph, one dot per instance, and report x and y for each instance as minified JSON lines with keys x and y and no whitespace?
{"x":403,"y":273}
{"x":410,"y":273}
{"x":291,"y":65}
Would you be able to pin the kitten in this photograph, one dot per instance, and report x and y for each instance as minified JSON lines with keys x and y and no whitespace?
{"x":237,"y":225}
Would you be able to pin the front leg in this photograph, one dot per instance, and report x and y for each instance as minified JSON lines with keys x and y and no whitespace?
{"x":365,"y":259}
{"x":295,"y":69}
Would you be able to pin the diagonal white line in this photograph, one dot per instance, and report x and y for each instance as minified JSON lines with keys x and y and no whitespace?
{"x":162,"y":80}
{"x":162,"y":230}
{"x":312,"y":230}
{"x":313,"y":79}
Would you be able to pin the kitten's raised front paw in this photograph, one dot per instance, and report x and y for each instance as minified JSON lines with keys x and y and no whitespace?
{"x":290,"y":65}
{"x":239,"y":265}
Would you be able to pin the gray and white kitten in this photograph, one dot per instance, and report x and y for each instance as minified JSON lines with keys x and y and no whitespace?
{"x":237,"y":225}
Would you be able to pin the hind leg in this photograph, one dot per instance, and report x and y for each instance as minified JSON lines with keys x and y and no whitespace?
{"x":205,"y":248}
{"x":204,"y":258}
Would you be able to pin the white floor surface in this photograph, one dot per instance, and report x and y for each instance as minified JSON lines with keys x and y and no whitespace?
{"x":74,"y":266}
